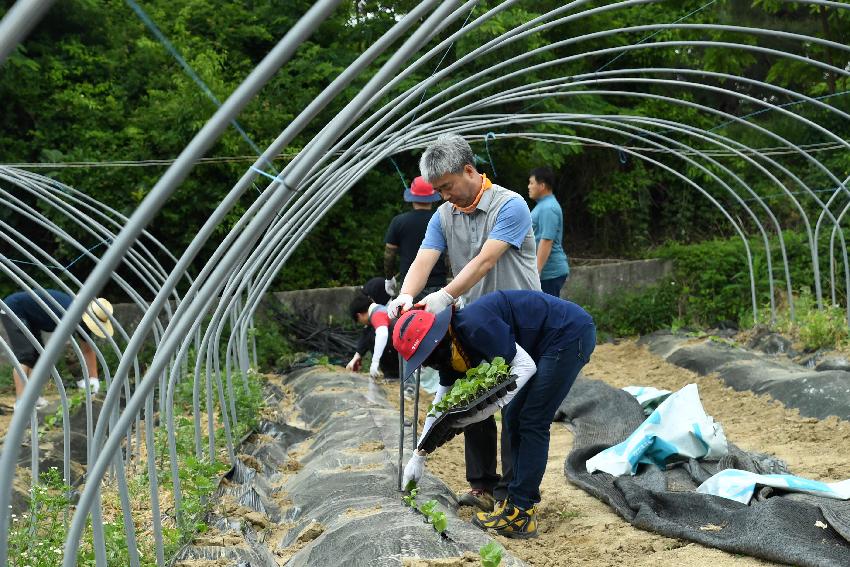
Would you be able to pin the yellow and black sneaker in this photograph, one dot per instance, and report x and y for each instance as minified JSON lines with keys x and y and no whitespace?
{"x":508,"y":520}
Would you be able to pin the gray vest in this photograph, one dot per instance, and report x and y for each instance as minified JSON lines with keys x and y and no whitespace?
{"x":466,"y":235}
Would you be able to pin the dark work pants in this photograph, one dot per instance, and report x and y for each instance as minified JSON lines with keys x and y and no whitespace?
{"x":528,"y":418}
{"x":553,"y":286}
{"x":480,"y":453}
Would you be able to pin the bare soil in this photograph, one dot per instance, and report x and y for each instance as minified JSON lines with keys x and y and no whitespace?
{"x":576,"y":528}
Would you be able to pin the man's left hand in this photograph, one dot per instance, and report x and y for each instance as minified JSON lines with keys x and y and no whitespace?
{"x":437,"y":301}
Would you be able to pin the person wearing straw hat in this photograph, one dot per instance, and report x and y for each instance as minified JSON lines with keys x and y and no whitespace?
{"x":547,"y":341}
{"x":405,"y":235}
{"x":37,"y":313}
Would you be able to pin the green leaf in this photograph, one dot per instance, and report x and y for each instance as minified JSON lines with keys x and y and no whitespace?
{"x":428,"y":507}
{"x":440,"y":522}
{"x":491,"y":555}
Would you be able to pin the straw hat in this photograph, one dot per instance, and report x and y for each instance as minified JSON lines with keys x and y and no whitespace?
{"x":99,"y":310}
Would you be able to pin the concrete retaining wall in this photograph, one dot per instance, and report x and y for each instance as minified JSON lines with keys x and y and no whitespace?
{"x":593,"y":285}
{"x":587,"y":285}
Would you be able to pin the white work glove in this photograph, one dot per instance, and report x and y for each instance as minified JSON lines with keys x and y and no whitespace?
{"x":437,"y":301}
{"x":432,"y":414}
{"x":354,"y":364}
{"x":480,"y":415}
{"x":414,"y":470}
{"x":523,"y":367}
{"x":389,"y":286}
{"x":375,"y":370}
{"x":94,"y":384}
{"x":399,"y":305}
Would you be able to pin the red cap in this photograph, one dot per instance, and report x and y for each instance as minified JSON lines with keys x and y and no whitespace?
{"x":421,"y":188}
{"x":417,"y":333}
{"x":409,"y":331}
{"x":421,"y":191}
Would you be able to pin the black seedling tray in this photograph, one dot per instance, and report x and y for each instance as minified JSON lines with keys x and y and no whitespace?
{"x":444,"y":428}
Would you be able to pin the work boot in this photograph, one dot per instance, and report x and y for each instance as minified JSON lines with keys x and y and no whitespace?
{"x":478,"y":498}
{"x":508,"y":520}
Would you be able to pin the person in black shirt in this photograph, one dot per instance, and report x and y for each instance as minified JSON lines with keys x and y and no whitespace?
{"x":405,"y":234}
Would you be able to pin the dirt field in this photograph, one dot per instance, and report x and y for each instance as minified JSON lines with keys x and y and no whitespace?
{"x":577,"y":529}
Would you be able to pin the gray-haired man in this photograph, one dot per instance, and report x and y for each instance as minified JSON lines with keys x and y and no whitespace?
{"x":486,"y":231}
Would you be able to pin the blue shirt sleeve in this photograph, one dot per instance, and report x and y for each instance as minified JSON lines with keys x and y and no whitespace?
{"x":548,"y":223}
{"x":512,"y":223}
{"x":434,"y":237}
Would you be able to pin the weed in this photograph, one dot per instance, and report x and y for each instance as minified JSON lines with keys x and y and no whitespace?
{"x":36,"y":537}
{"x":570,"y":514}
{"x":814,"y":328}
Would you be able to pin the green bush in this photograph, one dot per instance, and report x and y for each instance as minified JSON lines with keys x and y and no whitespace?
{"x":814,"y":328}
{"x":638,"y":312}
{"x":711,"y":284}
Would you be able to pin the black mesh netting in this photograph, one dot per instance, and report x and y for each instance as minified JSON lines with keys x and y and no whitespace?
{"x":775,"y":525}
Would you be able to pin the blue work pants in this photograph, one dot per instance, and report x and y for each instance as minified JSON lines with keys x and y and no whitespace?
{"x":528,"y":417}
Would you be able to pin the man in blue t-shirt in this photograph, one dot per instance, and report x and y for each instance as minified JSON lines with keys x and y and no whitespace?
{"x":39,"y":312}
{"x":546,"y":341}
{"x":548,"y":221}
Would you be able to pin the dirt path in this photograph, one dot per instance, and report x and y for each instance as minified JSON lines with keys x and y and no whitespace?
{"x":576,"y":528}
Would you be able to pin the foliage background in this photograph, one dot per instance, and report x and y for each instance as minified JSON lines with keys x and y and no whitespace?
{"x":92,"y":84}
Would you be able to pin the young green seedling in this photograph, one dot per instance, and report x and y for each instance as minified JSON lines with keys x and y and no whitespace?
{"x":491,"y":555}
{"x":477,"y":381}
{"x":410,"y":499}
{"x":428,"y":509}
{"x":439,"y":521}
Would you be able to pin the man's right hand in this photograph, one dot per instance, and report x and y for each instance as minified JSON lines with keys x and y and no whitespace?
{"x":399,"y":305}
{"x":414,"y":470}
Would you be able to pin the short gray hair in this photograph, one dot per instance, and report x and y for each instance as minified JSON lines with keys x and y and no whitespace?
{"x":447,"y":154}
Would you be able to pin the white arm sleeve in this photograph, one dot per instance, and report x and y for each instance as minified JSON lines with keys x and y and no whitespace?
{"x":381,"y":335}
{"x":429,"y":421}
{"x":524,"y":368}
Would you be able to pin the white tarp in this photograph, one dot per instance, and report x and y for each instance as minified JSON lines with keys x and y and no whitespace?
{"x":648,"y":397}
{"x":740,"y":485}
{"x":678,"y":429}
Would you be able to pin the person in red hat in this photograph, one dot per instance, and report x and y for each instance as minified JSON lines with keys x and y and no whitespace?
{"x":405,"y":234}
{"x":547,"y":341}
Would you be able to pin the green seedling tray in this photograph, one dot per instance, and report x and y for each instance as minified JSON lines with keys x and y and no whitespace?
{"x":444,"y":428}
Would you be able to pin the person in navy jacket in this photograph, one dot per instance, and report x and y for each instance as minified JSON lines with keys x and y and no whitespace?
{"x":546,"y":340}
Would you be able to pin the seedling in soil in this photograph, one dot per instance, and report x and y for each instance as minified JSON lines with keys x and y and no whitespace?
{"x":491,"y":555}
{"x":478,"y":380}
{"x":428,"y":509}
{"x":410,"y":499}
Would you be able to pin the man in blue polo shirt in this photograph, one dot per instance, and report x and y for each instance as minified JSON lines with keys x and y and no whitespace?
{"x":485,"y":230}
{"x":548,"y":221}
{"x":547,"y":341}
